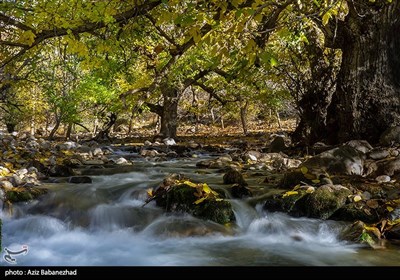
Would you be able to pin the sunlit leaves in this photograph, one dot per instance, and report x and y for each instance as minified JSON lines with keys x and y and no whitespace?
{"x":27,"y":38}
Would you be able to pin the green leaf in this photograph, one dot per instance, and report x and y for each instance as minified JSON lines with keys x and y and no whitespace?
{"x":273,"y":62}
{"x":304,"y":170}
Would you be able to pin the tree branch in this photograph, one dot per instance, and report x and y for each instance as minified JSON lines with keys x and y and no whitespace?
{"x":10,"y":21}
{"x":87,"y":27}
{"x":269,"y":24}
{"x":211,"y":91}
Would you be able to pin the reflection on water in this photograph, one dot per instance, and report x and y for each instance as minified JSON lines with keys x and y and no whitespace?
{"x":104,"y":223}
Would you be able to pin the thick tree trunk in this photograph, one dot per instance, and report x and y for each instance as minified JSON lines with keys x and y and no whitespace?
{"x":169,"y":116}
{"x":367,"y":98}
{"x":314,"y":91}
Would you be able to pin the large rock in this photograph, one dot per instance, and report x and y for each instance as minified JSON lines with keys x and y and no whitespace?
{"x":232,"y":176}
{"x":24,"y":194}
{"x":360,"y":145}
{"x":240,"y":191}
{"x":182,"y":198}
{"x":343,"y":160}
{"x":80,"y":180}
{"x":390,"y":136}
{"x":389,"y":167}
{"x":326,"y":200}
{"x":277,"y":145}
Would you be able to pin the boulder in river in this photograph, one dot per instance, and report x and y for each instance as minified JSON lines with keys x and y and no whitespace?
{"x":343,"y":160}
{"x":80,"y":180}
{"x":199,"y":200}
{"x":233,"y":176}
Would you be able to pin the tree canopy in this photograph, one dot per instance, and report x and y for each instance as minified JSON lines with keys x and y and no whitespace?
{"x":95,"y":58}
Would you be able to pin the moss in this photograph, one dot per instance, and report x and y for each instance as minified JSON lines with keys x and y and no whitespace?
{"x":24,"y":194}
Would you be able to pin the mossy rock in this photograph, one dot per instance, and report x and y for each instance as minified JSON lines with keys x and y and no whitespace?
{"x":359,"y":211}
{"x":181,"y":198}
{"x":326,"y":200}
{"x":293,"y":204}
{"x":24,"y":194}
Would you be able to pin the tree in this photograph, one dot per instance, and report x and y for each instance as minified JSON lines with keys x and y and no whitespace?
{"x":367,"y":99}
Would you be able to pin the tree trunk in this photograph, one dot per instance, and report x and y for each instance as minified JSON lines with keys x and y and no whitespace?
{"x":314,"y":90}
{"x":169,"y":116}
{"x":243,"y":116}
{"x":103,"y":134}
{"x":69,"y":131}
{"x":367,"y":98}
{"x":55,"y":128}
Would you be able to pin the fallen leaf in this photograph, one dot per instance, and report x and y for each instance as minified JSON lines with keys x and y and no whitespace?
{"x":357,"y":198}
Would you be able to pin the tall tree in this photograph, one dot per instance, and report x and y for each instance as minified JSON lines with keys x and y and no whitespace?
{"x":367,"y":99}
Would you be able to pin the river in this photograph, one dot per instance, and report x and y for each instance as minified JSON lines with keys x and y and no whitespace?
{"x":104,"y":223}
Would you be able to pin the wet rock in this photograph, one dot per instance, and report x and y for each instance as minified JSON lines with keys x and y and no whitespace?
{"x":252,"y":155}
{"x":72,"y":162}
{"x":6,"y":185}
{"x":149,"y":153}
{"x":277,"y":145}
{"x":60,"y":171}
{"x":122,"y":161}
{"x":147,"y":143}
{"x":97,"y":152}
{"x":93,"y":162}
{"x":84,"y":149}
{"x":360,"y":145}
{"x":232,"y":176}
{"x":389,"y":167}
{"x":343,"y":160}
{"x":181,"y":198}
{"x":352,"y":232}
{"x":394,"y":153}
{"x":382,"y":179}
{"x":69,"y":145}
{"x":240,"y":191}
{"x":390,"y":136}
{"x":378,"y":154}
{"x":24,"y":194}
{"x":80,"y":180}
{"x":169,"y":141}
{"x":394,"y":232}
{"x":326,"y":200}
{"x":359,"y":211}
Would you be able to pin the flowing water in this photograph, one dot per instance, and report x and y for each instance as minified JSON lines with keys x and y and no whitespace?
{"x":104,"y":223}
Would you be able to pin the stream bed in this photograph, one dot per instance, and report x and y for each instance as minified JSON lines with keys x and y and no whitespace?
{"x":105,"y":223}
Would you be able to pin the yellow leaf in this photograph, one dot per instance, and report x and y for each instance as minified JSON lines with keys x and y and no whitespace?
{"x":150,"y":192}
{"x":357,"y":198}
{"x":310,"y":190}
{"x":290,"y":193}
{"x":315,"y":181}
{"x":190,"y":184}
{"x":390,"y":209}
{"x":304,"y":170}
{"x":206,"y":188}
{"x":199,"y":200}
{"x":326,"y":17}
{"x":219,"y":199}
